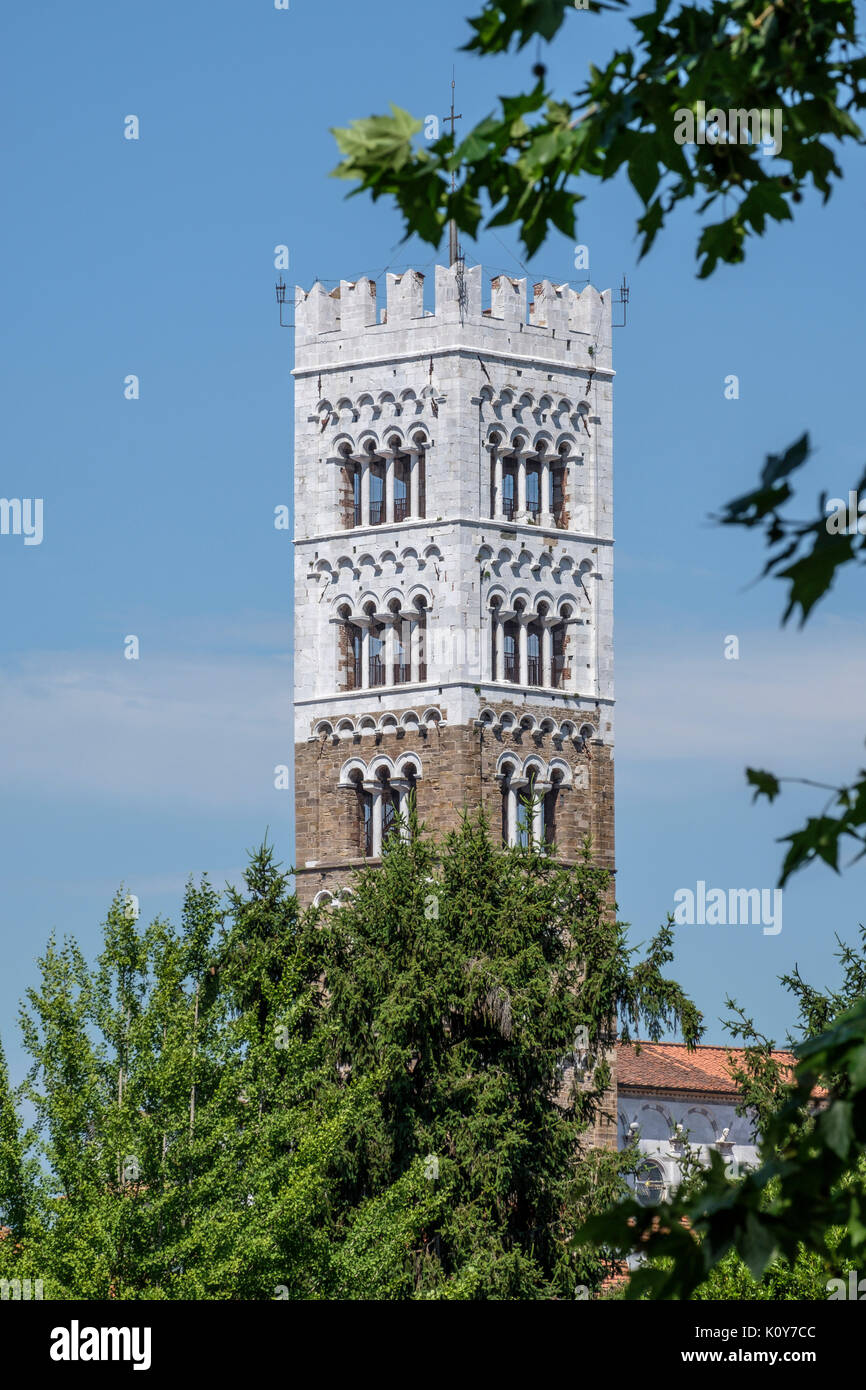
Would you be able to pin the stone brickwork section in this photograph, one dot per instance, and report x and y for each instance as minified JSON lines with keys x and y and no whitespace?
{"x":458,"y":772}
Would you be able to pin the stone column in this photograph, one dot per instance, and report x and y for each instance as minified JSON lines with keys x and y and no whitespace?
{"x":541,"y":789}
{"x":414,"y":651}
{"x":364,"y":461}
{"x":376,"y":789}
{"x":497,"y":484}
{"x":388,"y":650}
{"x":365,"y":656}
{"x":390,"y":464}
{"x":414,"y":484}
{"x":523,"y":618}
{"x":499,"y":673}
{"x":520,"y":514}
{"x":546,"y":517}
{"x":574,"y":650}
{"x":516,"y":788}
{"x":546,"y":656}
{"x":401,"y":787}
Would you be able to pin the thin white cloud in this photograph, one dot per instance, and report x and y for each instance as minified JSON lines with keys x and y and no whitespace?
{"x":794,"y":702}
{"x":169,"y":730}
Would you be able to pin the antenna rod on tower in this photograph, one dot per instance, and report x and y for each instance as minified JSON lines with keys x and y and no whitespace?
{"x":453,"y":249}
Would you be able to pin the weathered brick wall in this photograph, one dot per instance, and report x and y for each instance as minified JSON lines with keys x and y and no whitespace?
{"x":458,"y":771}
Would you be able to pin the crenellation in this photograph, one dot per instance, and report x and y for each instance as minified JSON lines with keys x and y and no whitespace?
{"x":404,"y":297}
{"x":508,"y":300}
{"x":357,"y":305}
{"x":550,"y":307}
{"x":561,"y":324}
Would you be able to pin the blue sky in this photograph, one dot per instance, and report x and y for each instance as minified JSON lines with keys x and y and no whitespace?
{"x":155,"y":257}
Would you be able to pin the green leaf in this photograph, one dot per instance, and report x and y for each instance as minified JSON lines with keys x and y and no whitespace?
{"x":765,"y":783}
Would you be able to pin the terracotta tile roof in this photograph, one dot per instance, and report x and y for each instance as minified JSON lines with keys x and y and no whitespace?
{"x":672,"y":1067}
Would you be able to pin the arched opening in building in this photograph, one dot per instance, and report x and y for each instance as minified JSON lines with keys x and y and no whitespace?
{"x":508,"y":808}
{"x":530,"y":813}
{"x":533,"y":653}
{"x":549,"y":809}
{"x":419,"y":638}
{"x":511,"y":650}
{"x":377,"y":491}
{"x":557,"y":486}
{"x":509,"y":486}
{"x":350,"y":649}
{"x":364,"y":815}
{"x":533,"y":489}
{"x":389,"y":799}
{"x":376,"y":641}
{"x":401,"y":665}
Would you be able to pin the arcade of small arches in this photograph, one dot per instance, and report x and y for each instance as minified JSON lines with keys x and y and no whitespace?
{"x":365,"y":410}
{"x":530,"y":482}
{"x":382,"y":788}
{"x":529,"y":642}
{"x":410,"y":722}
{"x":523,"y":408}
{"x":383,"y":646}
{"x":386,"y":480}
{"x":508,"y":723}
{"x":390,"y":561}
{"x":530,"y":793}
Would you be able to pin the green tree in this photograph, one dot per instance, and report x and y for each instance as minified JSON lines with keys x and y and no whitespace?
{"x":392,"y":1098}
{"x":15,"y":1187}
{"x":465,"y":985}
{"x":178,"y":1155}
{"x":798,"y":1220}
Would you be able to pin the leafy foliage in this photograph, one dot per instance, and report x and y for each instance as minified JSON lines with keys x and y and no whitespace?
{"x":807,"y":555}
{"x":781,"y":1230}
{"x":380,"y":1101}
{"x":526,"y":161}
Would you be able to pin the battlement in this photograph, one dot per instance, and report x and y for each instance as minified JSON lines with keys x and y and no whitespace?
{"x":351,"y":310}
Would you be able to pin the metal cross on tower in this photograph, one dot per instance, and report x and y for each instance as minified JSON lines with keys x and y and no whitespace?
{"x":453,"y":253}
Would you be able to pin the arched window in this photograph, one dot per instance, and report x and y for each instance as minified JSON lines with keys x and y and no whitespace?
{"x":364,"y":811}
{"x":421,"y":465}
{"x":533,"y":653}
{"x":558,"y":664}
{"x":508,"y":807}
{"x":350,"y":649}
{"x":401,"y":487}
{"x":493,"y":444}
{"x":558,"y":474}
{"x":376,"y":641}
{"x":561,"y":672}
{"x":533,"y":490}
{"x":410,"y":795}
{"x":377,"y":491}
{"x":549,"y":809}
{"x":419,"y":639}
{"x":495,"y":637}
{"x":509,"y":487}
{"x":530,"y":813}
{"x":390,"y":803}
{"x":511,"y":650}
{"x":350,"y":472}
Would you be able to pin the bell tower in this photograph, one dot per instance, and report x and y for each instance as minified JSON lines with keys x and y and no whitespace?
{"x":453,"y":566}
